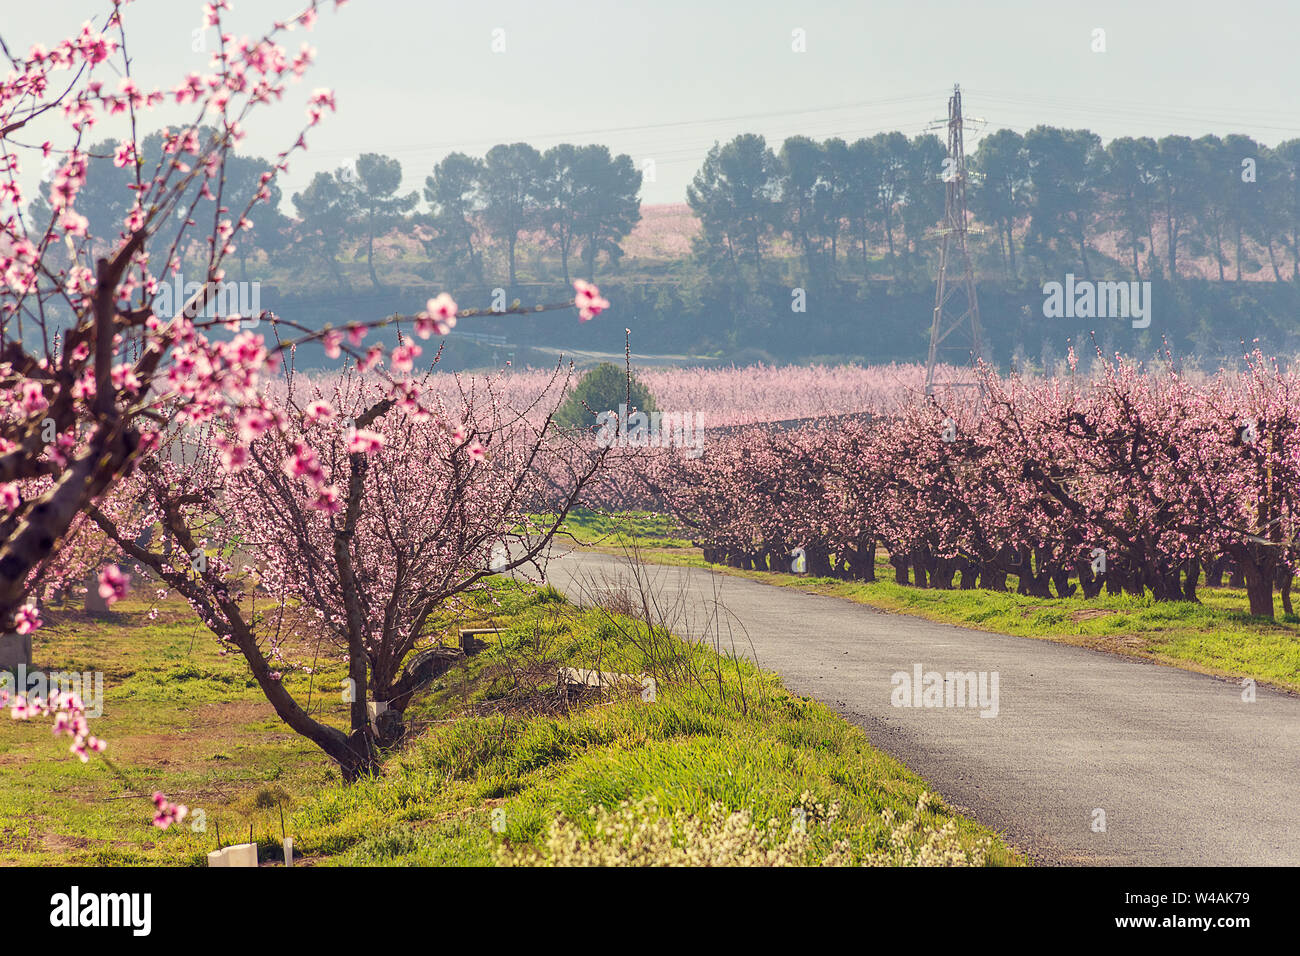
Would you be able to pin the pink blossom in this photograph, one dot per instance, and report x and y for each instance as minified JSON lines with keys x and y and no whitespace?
{"x":73,"y":223}
{"x":318,"y":411}
{"x":125,"y":379}
{"x":253,"y":424}
{"x":588,"y":300}
{"x":321,"y":100}
{"x":372,"y":358}
{"x":124,"y":155}
{"x":403,"y":357}
{"x":34,"y":397}
{"x":438,"y":317}
{"x":167,"y":812}
{"x":303,"y":463}
{"x":365,"y":442}
{"x":113,"y":584}
{"x":233,"y":456}
{"x":333,"y":340}
{"x":327,"y":500}
{"x":27,"y":619}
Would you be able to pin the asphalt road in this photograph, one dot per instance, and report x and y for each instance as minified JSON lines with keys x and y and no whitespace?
{"x":1185,"y":771}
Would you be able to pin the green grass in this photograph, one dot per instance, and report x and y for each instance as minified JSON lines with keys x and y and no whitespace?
{"x":1213,"y":636}
{"x":179,"y":717}
{"x":489,"y":734}
{"x":639,"y":529}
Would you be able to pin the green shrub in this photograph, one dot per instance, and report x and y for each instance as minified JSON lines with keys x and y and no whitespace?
{"x":603,"y":389}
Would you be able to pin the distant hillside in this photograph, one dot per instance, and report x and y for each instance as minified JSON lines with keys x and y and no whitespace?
{"x":664,"y":233}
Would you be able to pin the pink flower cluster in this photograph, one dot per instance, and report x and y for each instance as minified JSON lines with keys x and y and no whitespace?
{"x":438,"y":317}
{"x":167,"y":812}
{"x":113,"y":584}
{"x":27,"y":619}
{"x":69,"y":718}
{"x":588,"y":300}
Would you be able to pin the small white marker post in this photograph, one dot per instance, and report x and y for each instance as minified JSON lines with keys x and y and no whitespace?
{"x":241,"y":854}
{"x":288,"y":851}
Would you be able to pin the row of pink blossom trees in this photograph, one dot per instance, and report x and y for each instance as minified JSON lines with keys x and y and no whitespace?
{"x":1129,"y":479}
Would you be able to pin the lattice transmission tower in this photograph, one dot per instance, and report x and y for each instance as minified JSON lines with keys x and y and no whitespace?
{"x":955,"y":330}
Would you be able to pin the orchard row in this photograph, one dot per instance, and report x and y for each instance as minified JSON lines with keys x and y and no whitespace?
{"x":1128,"y":480}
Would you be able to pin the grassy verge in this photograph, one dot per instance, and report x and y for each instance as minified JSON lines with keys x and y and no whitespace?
{"x":639,"y":529}
{"x":1213,"y":636}
{"x":710,"y":772}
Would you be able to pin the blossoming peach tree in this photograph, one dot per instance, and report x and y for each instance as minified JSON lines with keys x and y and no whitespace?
{"x":356,"y":516}
{"x":97,"y":385}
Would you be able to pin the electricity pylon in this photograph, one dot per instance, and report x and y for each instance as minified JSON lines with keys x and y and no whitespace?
{"x":955,"y":329}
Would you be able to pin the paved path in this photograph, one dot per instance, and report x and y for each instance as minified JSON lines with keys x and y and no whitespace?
{"x":1186,"y":772}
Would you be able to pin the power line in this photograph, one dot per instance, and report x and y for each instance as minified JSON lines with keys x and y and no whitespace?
{"x":646,"y":127}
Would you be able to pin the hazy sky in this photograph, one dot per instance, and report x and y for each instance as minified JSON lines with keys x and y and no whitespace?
{"x":663,"y":79}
